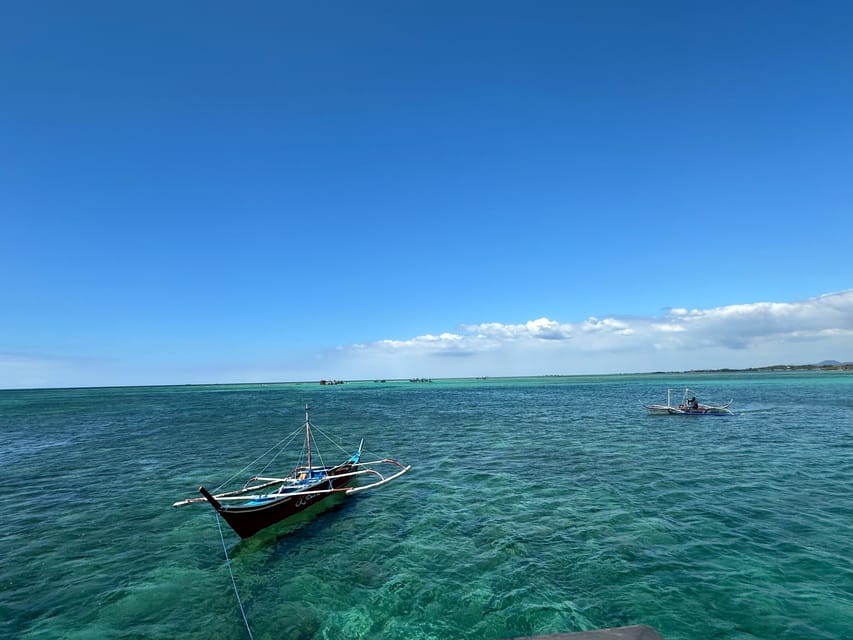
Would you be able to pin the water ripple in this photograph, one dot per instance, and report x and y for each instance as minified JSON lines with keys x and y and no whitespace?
{"x":535,"y":506}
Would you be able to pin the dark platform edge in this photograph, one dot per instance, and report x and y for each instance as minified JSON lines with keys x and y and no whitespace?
{"x":634,"y":632}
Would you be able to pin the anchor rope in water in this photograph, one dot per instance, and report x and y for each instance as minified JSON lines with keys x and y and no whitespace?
{"x":233,"y":580}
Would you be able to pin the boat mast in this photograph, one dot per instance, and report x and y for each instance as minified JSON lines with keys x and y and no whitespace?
{"x":308,"y":437}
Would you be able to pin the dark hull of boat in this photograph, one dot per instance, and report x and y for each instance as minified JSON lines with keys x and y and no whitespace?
{"x":675,"y":411}
{"x":248,"y":520}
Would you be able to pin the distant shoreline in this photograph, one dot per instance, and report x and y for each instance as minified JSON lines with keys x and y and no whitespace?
{"x":836,"y":366}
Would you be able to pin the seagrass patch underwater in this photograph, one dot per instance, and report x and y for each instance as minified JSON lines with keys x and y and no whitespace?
{"x":534,"y":506}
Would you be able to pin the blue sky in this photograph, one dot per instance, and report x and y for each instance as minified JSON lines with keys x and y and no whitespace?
{"x":204,"y":192}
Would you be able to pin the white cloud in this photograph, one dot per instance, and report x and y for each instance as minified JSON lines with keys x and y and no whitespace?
{"x":608,"y":325}
{"x":539,"y":329}
{"x":736,"y":336}
{"x":743,"y":325}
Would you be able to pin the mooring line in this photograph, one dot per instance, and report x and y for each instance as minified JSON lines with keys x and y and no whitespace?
{"x":233,"y":581}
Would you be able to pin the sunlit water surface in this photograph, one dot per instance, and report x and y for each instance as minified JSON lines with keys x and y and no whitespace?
{"x":534,"y":506}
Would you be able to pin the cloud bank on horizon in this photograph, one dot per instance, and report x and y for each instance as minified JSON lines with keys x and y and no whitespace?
{"x":732,"y":336}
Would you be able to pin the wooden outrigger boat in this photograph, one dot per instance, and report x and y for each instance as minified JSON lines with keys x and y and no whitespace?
{"x":688,"y":406}
{"x":262,"y":501}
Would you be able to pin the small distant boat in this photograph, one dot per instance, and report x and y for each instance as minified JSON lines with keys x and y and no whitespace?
{"x":263,"y":501}
{"x":688,"y":406}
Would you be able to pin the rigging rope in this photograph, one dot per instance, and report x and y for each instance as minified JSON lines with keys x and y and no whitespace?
{"x":233,"y":580}
{"x":281,"y":443}
{"x":329,"y":438}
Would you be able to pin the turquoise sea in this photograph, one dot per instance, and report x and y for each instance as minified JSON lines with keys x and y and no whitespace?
{"x":535,"y":506}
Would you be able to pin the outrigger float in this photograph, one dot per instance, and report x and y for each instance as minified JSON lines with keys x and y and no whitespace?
{"x":688,"y":406}
{"x":263,"y":501}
